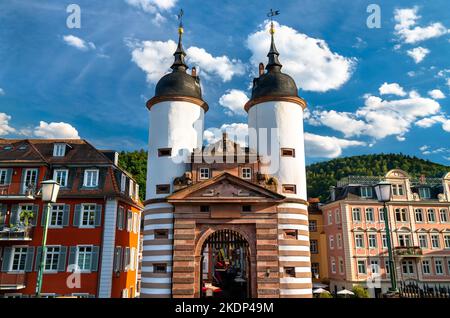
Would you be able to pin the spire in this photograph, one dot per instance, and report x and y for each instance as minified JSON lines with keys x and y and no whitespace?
{"x":273,"y":64}
{"x":179,"y":63}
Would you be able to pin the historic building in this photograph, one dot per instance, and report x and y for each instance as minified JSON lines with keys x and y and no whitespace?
{"x":419,"y":225}
{"x":318,"y":243}
{"x":222,"y":219}
{"x":93,"y":226}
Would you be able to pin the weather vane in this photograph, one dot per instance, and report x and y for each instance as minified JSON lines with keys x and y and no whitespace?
{"x":180,"y":19}
{"x":272,"y":14}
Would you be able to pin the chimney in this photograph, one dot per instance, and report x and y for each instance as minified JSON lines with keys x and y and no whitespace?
{"x":194,"y":72}
{"x":333,"y":193}
{"x":261,"y":69}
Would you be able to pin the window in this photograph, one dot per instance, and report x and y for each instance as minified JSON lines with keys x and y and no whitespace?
{"x":4,"y":177}
{"x":404,"y":240}
{"x":289,"y":188}
{"x":400,"y":215}
{"x":162,"y":188}
{"x":159,"y":268}
{"x":129,"y":221}
{"x":205,"y":208}
{"x":447,"y":241}
{"x":164,"y":152}
{"x":372,"y":240}
{"x":127,"y":259}
{"x":341,"y":266}
{"x":330,"y":217}
{"x":431,"y":215}
{"x":361,"y":267}
{"x":19,"y":259}
{"x":356,"y":214}
{"x":30,"y":179}
{"x":52,"y":258}
{"x":369,"y":215}
{"x":90,"y":178}
{"x":384,"y":240}
{"x":339,"y":241}
{"x":333,"y":265}
{"x":435,"y":241}
{"x":314,"y":247}
{"x":315,"y":269}
{"x":419,"y":215}
{"x":161,"y":234}
{"x":424,"y":193}
{"x":123,"y":182}
{"x":246,"y":208}
{"x":426,"y":270}
{"x":423,"y":241}
{"x":84,"y":258}
{"x":120,"y":217}
{"x":246,"y":173}
{"x":60,"y":176}
{"x":397,"y":189}
{"x":117,"y":259}
{"x":59,"y":150}
{"x":331,"y":241}
{"x":374,"y":268}
{"x":313,"y":226}
{"x":381,"y":214}
{"x":359,"y":241}
{"x":204,"y":173}
{"x":439,"y":268}
{"x":366,"y":192}
{"x":287,"y":152}
{"x":131,"y":189}
{"x":443,"y":215}
{"x":289,"y":272}
{"x":290,"y":234}
{"x":387,"y":267}
{"x":407,"y":267}
{"x":337,"y":217}
{"x":56,"y":215}
{"x":88,"y":215}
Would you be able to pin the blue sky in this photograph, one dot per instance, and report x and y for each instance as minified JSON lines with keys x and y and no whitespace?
{"x":93,"y":82}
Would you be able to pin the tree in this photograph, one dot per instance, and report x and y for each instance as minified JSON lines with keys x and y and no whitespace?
{"x":360,"y":292}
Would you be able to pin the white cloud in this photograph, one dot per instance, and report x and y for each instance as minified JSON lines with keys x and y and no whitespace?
{"x":2,"y":91}
{"x":317,"y":146}
{"x":234,"y":100}
{"x":431,"y":121}
{"x":235,"y":131}
{"x":152,"y":6}
{"x":78,"y":43}
{"x":308,"y":60}
{"x":156,"y":57}
{"x":418,"y":53}
{"x":393,"y":89}
{"x":407,"y":30}
{"x":436,"y":94}
{"x":56,"y":131}
{"x":5,"y":128}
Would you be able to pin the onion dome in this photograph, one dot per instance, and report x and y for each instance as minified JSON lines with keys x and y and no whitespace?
{"x":179,"y":85}
{"x":273,"y":84}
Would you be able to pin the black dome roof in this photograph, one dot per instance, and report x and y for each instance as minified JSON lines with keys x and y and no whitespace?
{"x":179,"y":83}
{"x":274,"y":84}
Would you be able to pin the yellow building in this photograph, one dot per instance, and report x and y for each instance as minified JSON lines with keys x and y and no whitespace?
{"x":318,"y":243}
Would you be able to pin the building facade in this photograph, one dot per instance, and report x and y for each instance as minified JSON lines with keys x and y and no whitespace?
{"x":318,"y":243}
{"x":222,"y":220}
{"x":420,"y":232}
{"x":92,"y":242}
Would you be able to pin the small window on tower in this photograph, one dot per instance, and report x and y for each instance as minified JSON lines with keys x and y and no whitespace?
{"x":289,"y":188}
{"x":164,"y":152}
{"x":163,"y":189}
{"x":159,"y":268}
{"x":287,"y":152}
{"x":161,"y":234}
{"x":246,"y":208}
{"x":204,"y":173}
{"x":290,"y":234}
{"x":289,"y":272}
{"x":204,"y":208}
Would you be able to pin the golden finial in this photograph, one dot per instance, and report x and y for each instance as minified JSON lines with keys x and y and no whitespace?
{"x":180,"y":19}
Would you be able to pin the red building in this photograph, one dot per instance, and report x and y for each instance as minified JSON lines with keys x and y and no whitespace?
{"x":93,"y":236}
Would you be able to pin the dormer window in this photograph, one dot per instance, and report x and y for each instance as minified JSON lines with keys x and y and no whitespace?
{"x":90,"y":178}
{"x":424,"y":193}
{"x":59,"y":150}
{"x":397,"y":189}
{"x":366,"y":192}
{"x":204,"y":173}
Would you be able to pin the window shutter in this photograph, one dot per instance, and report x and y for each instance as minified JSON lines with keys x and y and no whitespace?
{"x":62,"y":259}
{"x":22,"y":182}
{"x":35,"y":215}
{"x":98,"y":215}
{"x":72,"y":255}
{"x":3,"y":211}
{"x":76,"y":215}
{"x":9,"y":173}
{"x":102,"y":177}
{"x":94,"y":263}
{"x":71,"y":177}
{"x":7,"y":251}
{"x":29,"y":259}
{"x":38,"y":258}
{"x":66,"y":215}
{"x":14,"y":217}
{"x":117,"y":257}
{"x":45,"y":212}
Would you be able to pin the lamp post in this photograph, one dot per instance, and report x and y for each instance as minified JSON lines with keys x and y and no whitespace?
{"x":383,"y":191}
{"x":50,"y":189}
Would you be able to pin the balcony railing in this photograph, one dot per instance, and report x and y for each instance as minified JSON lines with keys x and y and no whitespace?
{"x":408,"y":251}
{"x":16,"y":233}
{"x":18,"y":190}
{"x":12,"y":281}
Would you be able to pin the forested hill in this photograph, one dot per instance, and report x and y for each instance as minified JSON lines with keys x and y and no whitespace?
{"x":320,"y":176}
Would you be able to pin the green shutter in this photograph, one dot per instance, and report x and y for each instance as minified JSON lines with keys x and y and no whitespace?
{"x":45,"y":212}
{"x":3,"y":211}
{"x":102,"y":177}
{"x":38,"y":258}
{"x":76,"y":215}
{"x":62,"y":259}
{"x":29,"y":260}
{"x":98,"y":215}
{"x":95,"y":258}
{"x":66,"y":215}
{"x":7,"y":251}
{"x":14,"y":217}
{"x":9,"y":173}
{"x":22,"y":181}
{"x":120,"y":259}
{"x":72,"y":255}
{"x":35,"y":214}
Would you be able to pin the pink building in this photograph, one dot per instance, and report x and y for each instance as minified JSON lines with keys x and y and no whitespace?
{"x":420,"y":229}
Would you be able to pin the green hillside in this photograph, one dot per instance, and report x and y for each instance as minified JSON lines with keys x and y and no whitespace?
{"x":320,"y":176}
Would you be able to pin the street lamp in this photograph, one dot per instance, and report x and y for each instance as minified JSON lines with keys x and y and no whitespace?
{"x":383,"y":191}
{"x":50,"y":189}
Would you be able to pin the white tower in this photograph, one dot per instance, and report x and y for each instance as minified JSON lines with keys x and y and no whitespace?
{"x":176,"y":128}
{"x":275,"y":119}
